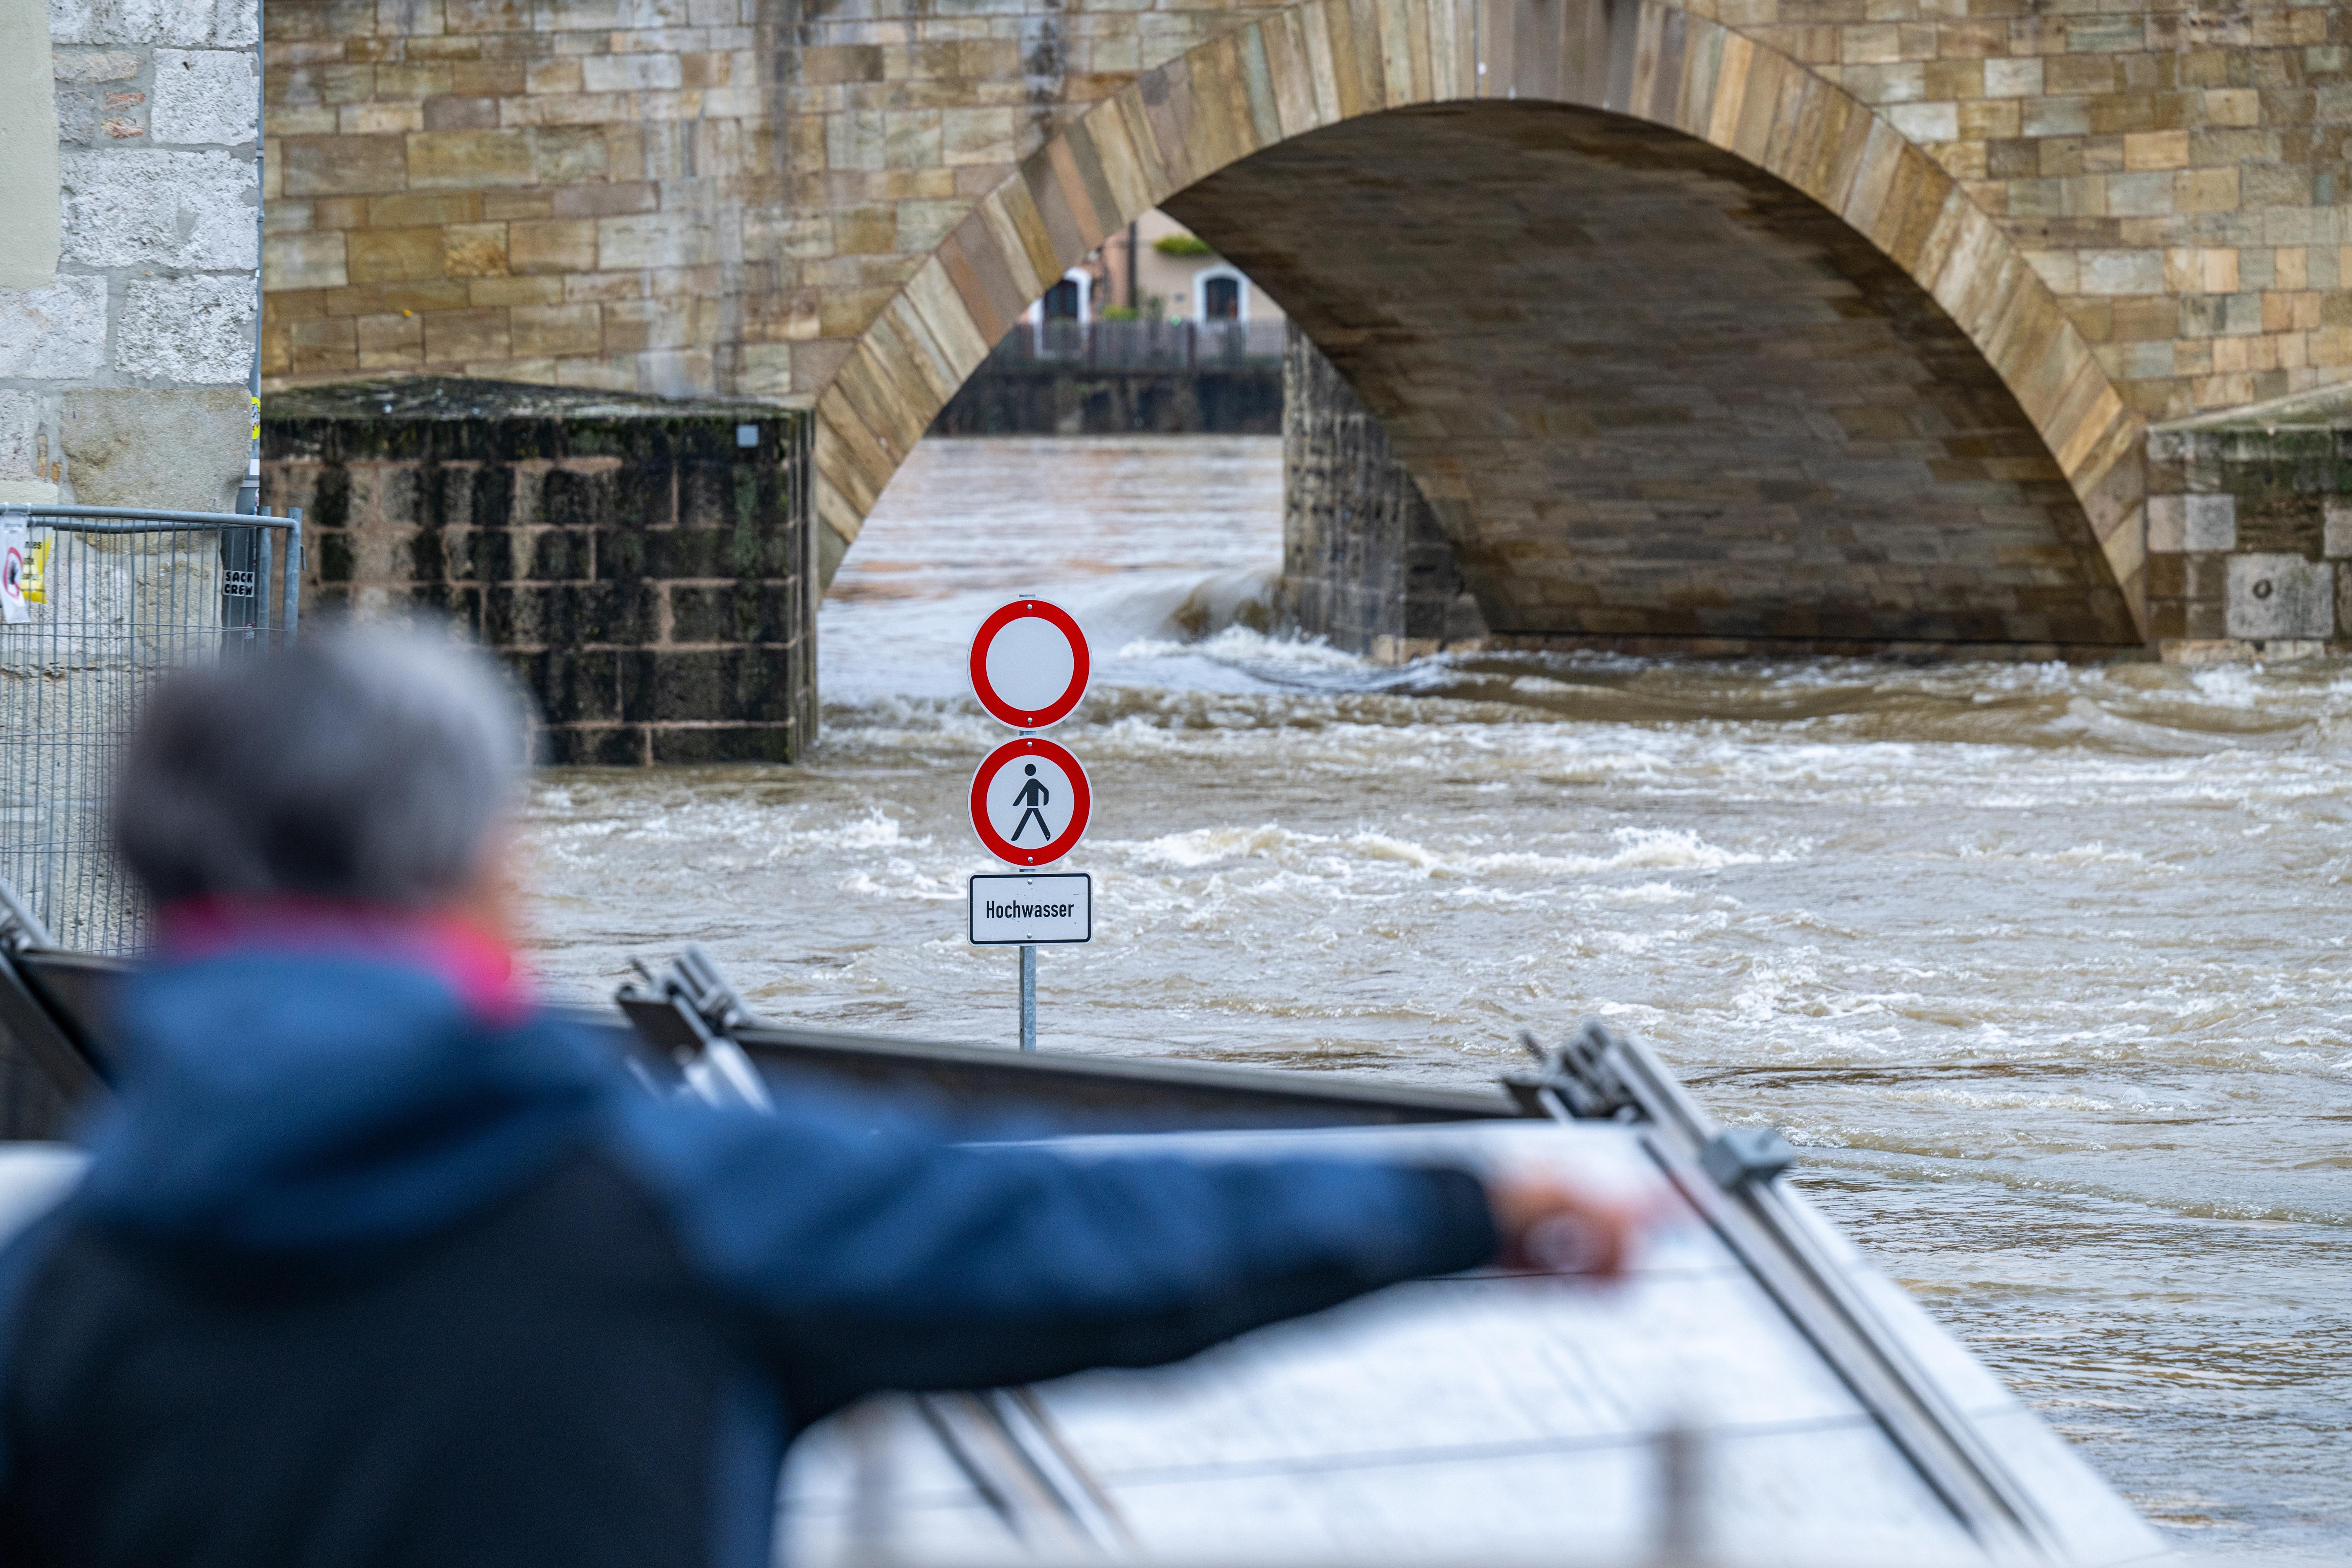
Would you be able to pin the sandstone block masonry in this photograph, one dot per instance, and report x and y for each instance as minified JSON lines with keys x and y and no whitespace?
{"x":2124,"y":214}
{"x":2250,"y":530}
{"x":580,"y":192}
{"x":1365,"y":563}
{"x":723,"y":195}
{"x":123,"y":358}
{"x":643,"y":565}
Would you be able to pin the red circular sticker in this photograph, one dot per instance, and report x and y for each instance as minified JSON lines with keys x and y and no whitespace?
{"x":1030,"y":802}
{"x":1030,"y":664}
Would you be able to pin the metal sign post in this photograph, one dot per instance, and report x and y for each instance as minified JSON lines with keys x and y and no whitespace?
{"x":1028,"y":996}
{"x":1030,"y":799}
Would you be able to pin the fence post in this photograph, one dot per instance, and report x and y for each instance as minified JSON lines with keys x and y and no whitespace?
{"x":293,"y":611}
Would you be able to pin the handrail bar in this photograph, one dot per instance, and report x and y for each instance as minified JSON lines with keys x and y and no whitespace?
{"x":190,"y":519}
{"x":131,"y":520}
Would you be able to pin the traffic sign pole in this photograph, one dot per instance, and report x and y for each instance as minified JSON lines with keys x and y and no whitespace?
{"x":1030,"y":799}
{"x":1028,"y":996}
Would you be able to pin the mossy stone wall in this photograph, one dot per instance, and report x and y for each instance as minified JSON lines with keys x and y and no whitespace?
{"x":644,"y":566}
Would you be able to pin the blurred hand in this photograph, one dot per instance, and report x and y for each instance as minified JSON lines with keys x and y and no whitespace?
{"x":1548,"y":1223}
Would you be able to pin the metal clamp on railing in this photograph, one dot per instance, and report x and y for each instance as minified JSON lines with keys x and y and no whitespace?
{"x":1739,"y":1156}
{"x":692,"y":1011}
{"x":20,"y":928}
{"x":1730,"y":1175}
{"x":1573,"y":1080}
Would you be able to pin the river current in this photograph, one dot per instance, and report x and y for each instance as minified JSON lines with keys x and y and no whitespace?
{"x":2044,"y":967}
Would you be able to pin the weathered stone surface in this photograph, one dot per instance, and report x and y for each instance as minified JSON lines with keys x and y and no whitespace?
{"x":2249,"y":512}
{"x":29,"y":108}
{"x":204,"y":96}
{"x":131,"y":446}
{"x":156,"y":209}
{"x":153,"y":303}
{"x":2336,"y":534}
{"x":54,"y":333}
{"x":194,"y":23}
{"x":23,"y":454}
{"x":1365,"y":563}
{"x":646,"y":571}
{"x":2209,"y":522}
{"x":193,"y":330}
{"x":2281,"y":596}
{"x":303,"y":261}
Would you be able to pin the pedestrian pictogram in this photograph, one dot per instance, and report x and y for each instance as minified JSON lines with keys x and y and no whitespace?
{"x":1030,"y":664}
{"x":1030,"y":797}
{"x":1030,"y":802}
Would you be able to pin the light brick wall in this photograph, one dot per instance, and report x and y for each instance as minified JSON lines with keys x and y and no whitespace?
{"x":122,"y":381}
{"x":722,"y":194}
{"x":2180,"y":177}
{"x":581,"y":192}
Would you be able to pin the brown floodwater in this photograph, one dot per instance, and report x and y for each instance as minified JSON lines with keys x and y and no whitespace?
{"x":2043,"y":966}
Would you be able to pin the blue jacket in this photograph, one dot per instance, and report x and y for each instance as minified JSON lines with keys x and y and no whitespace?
{"x":361,"y":1275}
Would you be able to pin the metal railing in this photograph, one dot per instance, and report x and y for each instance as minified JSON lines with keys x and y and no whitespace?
{"x":125,"y":594}
{"x":1061,"y":344}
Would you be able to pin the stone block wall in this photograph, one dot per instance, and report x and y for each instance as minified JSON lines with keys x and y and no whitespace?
{"x":2250,"y":531}
{"x":644,"y":566}
{"x":123,"y":367}
{"x":580,"y":192}
{"x":724,"y":194}
{"x":1365,"y":563}
{"x":2176,"y":175}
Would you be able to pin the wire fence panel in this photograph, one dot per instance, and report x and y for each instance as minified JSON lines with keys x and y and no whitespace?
{"x":1064,"y":344}
{"x":123,"y":598}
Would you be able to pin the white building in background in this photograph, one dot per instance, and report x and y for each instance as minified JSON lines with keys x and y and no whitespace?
{"x":128,"y":249}
{"x":1156,"y":268}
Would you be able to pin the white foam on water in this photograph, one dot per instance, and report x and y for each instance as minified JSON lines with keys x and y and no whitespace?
{"x":2045,"y":964}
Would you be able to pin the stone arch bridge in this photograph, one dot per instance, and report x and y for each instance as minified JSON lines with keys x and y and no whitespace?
{"x":1729,"y":323}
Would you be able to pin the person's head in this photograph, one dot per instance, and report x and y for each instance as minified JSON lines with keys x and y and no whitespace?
{"x":366,"y":765}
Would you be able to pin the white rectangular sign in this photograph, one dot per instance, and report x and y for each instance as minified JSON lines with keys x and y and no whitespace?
{"x":15,"y":555}
{"x":1036,"y":909}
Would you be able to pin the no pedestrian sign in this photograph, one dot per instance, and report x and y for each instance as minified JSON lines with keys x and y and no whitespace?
{"x":1030,"y":665}
{"x":1030,"y":802}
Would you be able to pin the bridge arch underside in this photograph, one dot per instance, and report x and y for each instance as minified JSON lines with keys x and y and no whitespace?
{"x":1651,"y":393}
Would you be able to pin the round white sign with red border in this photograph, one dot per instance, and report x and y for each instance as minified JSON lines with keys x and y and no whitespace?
{"x":1030,"y":665}
{"x":1030,"y":802}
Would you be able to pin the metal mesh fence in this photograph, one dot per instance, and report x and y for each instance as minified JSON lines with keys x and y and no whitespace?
{"x":124,"y":596}
{"x":1138,"y":345}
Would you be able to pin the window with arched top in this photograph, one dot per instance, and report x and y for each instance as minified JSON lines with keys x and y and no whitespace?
{"x":1064,"y":301}
{"x":1219,"y":293}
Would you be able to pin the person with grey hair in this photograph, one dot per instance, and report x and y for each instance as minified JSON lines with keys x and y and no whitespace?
{"x":377,"y":1262}
{"x":372,"y":765}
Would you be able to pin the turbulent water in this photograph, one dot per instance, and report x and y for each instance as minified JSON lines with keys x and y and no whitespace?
{"x":2044,"y":966}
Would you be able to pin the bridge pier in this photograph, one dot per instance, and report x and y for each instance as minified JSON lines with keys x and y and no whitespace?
{"x":646,"y":566}
{"x":2250,"y":531}
{"x":1365,"y":563}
